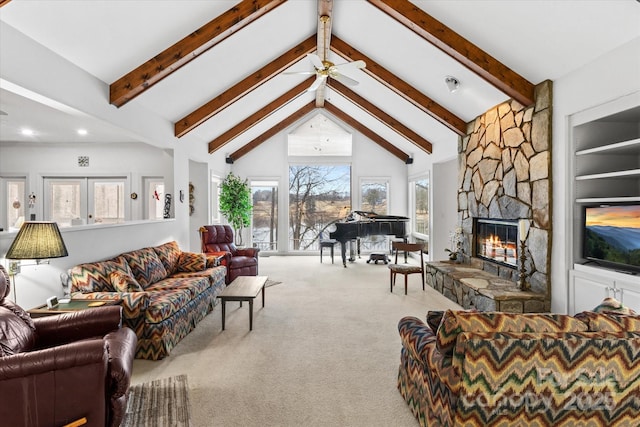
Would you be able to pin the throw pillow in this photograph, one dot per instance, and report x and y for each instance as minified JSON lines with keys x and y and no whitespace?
{"x":433,"y":319}
{"x":124,"y":283}
{"x":612,"y":306}
{"x":145,"y":266}
{"x":94,"y":276}
{"x":169,"y":253}
{"x":610,"y":322}
{"x":192,"y":261}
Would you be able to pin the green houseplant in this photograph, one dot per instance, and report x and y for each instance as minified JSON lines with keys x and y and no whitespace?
{"x":235,"y":203}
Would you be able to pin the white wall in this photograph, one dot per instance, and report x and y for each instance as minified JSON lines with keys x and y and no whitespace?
{"x":199,"y":177}
{"x":610,"y":77}
{"x":444,"y":207}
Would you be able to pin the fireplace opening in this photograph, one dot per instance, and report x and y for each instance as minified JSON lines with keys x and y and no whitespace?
{"x":496,"y":240}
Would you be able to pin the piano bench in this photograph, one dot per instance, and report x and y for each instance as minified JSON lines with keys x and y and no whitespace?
{"x":378,"y":256}
{"x":327,"y":243}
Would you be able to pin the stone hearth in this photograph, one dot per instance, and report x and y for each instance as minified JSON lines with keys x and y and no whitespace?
{"x":472,"y":287}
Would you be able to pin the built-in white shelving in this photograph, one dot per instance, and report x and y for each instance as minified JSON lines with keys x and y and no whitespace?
{"x":624,"y":147}
{"x":606,"y":169}
{"x":607,"y":159}
{"x":617,"y":174}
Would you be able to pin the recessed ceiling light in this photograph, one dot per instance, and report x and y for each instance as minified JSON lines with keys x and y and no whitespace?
{"x":27,"y":132}
{"x":82,"y":132}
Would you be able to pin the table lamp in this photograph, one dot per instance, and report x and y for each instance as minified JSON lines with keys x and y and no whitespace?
{"x":38,"y":240}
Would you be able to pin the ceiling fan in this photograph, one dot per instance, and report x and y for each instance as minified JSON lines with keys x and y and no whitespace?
{"x":325,"y":69}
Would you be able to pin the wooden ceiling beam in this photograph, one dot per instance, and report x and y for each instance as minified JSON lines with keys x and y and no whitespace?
{"x":271,"y":132}
{"x":325,"y":9}
{"x":368,"y":132}
{"x":195,"y":44}
{"x":382,"y":116}
{"x":243,"y":87}
{"x":462,"y":50}
{"x":258,"y":116}
{"x":400,"y":87}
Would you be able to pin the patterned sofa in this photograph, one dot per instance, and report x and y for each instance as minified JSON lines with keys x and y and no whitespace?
{"x":164,"y":291}
{"x":489,"y":369}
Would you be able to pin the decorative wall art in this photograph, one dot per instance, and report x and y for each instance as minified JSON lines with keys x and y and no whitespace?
{"x":167,"y":206}
{"x":191,"y":199}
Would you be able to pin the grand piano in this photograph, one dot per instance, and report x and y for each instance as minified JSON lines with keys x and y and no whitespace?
{"x":361,"y":224}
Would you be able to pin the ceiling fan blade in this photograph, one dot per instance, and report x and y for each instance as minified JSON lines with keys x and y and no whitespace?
{"x":299,"y":72}
{"x":355,"y":64}
{"x":316,"y":61}
{"x":317,"y":83}
{"x":343,"y":79}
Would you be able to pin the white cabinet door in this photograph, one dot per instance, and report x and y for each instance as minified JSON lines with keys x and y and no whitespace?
{"x":587,"y":291}
{"x":629,"y":294}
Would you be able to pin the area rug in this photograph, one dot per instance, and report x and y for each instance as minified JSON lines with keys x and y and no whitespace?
{"x":159,"y":403}
{"x":271,"y":283}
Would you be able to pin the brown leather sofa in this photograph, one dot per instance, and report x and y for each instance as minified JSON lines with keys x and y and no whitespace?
{"x":218,"y":240}
{"x":55,"y":370}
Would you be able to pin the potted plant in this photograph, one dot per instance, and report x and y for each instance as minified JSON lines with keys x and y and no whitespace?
{"x":235,"y":203}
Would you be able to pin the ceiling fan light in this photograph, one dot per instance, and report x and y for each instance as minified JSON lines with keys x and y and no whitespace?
{"x":452,"y":83}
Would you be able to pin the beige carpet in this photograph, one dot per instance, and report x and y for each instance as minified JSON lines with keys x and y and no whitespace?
{"x":324,"y":351}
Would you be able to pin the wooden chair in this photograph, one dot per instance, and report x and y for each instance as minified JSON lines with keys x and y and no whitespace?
{"x":406,"y":268}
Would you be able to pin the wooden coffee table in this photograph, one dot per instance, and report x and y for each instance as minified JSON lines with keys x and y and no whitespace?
{"x":243,"y":288}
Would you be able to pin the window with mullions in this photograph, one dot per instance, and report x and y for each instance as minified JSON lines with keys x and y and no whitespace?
{"x":12,"y":213}
{"x":75,"y":201}
{"x":374,"y":196}
{"x":264,"y":221}
{"x":318,"y":196}
{"x":420,"y":196}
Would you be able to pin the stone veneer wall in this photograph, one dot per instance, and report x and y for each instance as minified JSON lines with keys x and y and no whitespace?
{"x":505,"y":172}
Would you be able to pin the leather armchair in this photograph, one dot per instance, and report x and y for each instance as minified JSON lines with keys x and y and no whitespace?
{"x":58,"y":369}
{"x":218,"y":240}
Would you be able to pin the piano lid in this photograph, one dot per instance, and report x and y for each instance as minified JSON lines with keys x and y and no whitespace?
{"x":372,"y":216}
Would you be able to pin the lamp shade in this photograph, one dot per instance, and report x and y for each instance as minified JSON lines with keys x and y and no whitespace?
{"x":37,"y":240}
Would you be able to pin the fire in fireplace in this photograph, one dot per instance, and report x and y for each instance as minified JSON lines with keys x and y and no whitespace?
{"x":496,"y":240}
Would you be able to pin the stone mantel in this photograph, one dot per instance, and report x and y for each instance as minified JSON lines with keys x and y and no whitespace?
{"x":472,"y":287}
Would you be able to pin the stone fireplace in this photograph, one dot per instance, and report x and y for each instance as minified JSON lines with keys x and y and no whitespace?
{"x":504,"y":175}
{"x":496,"y":240}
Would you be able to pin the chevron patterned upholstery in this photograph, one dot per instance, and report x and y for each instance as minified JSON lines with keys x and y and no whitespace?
{"x":522,"y":370}
{"x":176,"y":290}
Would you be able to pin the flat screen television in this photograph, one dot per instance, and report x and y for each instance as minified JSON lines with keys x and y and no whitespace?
{"x":612,"y":236}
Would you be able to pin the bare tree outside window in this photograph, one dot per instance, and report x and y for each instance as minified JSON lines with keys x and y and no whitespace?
{"x":373,"y":196}
{"x":318,"y":196}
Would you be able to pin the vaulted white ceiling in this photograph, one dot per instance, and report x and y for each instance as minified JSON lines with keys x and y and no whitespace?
{"x":538,"y":39}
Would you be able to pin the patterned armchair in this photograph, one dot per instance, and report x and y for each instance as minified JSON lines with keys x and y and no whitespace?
{"x":217,"y":240}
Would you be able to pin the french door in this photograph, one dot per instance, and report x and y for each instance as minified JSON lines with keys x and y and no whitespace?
{"x":75,"y":201}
